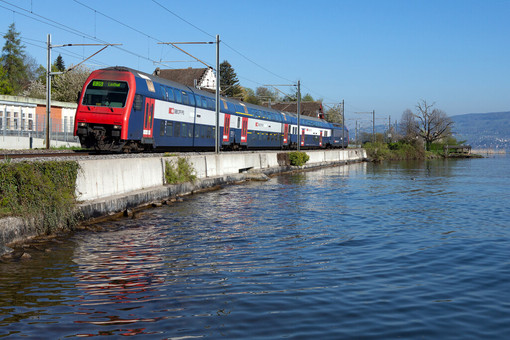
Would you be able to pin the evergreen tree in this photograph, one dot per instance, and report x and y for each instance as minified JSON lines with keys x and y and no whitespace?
{"x":228,"y":81}
{"x":59,"y":64}
{"x":5,"y":87}
{"x":12,"y":60}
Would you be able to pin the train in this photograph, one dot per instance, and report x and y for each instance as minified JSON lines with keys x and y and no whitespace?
{"x":124,"y":110}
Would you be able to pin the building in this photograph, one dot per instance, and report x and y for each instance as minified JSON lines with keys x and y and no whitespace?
{"x":202,"y":78}
{"x":26,"y":117}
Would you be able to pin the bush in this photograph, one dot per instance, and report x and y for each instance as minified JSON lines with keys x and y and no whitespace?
{"x":298,"y":158}
{"x":44,"y":191}
{"x":179,"y":173}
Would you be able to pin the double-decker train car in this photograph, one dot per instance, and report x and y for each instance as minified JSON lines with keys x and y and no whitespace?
{"x":121,"y":109}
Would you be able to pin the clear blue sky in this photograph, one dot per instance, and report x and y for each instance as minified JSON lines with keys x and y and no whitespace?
{"x":376,"y":55}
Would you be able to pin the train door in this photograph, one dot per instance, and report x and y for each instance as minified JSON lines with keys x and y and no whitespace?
{"x":244,"y":132}
{"x":320,"y":139}
{"x":285,"y":134}
{"x":226,"y":129}
{"x":148,"y":118}
{"x":302,"y":137}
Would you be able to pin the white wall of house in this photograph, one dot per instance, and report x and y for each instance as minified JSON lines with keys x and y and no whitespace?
{"x":208,"y":80}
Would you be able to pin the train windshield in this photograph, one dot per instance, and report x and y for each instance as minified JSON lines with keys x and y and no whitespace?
{"x":106,"y":93}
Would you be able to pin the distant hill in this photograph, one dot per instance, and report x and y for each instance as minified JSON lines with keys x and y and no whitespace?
{"x":483,"y":130}
{"x":480,"y":130}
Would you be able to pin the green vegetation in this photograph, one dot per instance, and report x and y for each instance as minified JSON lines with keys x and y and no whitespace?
{"x":179,"y":173}
{"x":404,"y":150}
{"x":43,"y":191}
{"x":298,"y":158}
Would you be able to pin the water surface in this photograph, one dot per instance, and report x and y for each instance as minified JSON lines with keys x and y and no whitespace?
{"x":411,"y":250}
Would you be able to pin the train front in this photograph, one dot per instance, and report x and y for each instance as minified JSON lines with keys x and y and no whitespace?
{"x":104,"y":107}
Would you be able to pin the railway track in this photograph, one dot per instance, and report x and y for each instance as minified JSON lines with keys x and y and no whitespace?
{"x":42,"y":154}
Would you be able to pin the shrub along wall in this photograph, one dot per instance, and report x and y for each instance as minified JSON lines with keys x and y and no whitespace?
{"x":43,"y":191}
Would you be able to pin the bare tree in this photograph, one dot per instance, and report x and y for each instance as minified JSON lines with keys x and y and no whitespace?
{"x":407,"y":125}
{"x":429,"y":123}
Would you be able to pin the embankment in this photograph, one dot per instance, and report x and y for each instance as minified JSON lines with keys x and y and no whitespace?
{"x":110,"y":186}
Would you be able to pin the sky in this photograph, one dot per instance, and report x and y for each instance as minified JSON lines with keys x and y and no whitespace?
{"x":381,"y":56}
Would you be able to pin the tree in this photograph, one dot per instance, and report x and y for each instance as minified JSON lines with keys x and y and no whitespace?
{"x":13,"y":61}
{"x":65,"y":87}
{"x":249,"y":96}
{"x":334,"y":114}
{"x":5,"y":87}
{"x":228,"y":81}
{"x":427,"y":122}
{"x":59,"y":64}
{"x":307,"y":98}
{"x":407,"y":125}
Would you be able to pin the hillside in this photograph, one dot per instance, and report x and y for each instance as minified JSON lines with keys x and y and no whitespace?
{"x":483,"y":130}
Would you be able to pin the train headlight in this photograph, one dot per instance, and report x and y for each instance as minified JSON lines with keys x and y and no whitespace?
{"x":117,"y":127}
{"x":81,"y":124}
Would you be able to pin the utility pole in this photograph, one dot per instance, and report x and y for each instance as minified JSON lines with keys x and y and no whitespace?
{"x":343,"y":123}
{"x":48,"y":93}
{"x":373,"y":125}
{"x":217,"y":139}
{"x":217,"y":146}
{"x":299,"y":114}
{"x":298,"y":108}
{"x":49,"y":74}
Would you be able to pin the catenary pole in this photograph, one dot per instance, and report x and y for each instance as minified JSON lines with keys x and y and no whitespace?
{"x":343,"y":123}
{"x":299,"y":115}
{"x":48,"y":93}
{"x":218,"y":75}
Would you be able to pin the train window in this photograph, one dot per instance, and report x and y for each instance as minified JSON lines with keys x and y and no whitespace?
{"x":164,"y":93}
{"x":178,"y":96}
{"x":190,"y":131}
{"x":162,"y":128}
{"x":210,"y":104}
{"x":197,"y":131}
{"x":325,"y":133}
{"x":192,"y":100}
{"x":203,"y":131}
{"x":177,"y":129}
{"x":184,"y":130}
{"x":106,"y":93}
{"x":169,"y":131}
{"x":238,"y":122}
{"x":138,"y":102}
{"x":204,"y":102}
{"x":170,"y":94}
{"x":185,"y":99}
{"x":209,"y":132}
{"x":198,"y":100}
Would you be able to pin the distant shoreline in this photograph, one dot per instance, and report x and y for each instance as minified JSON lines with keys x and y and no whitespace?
{"x":488,"y":151}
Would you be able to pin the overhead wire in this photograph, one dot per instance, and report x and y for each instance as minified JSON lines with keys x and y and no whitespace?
{"x":66,"y":28}
{"x":71,"y":30}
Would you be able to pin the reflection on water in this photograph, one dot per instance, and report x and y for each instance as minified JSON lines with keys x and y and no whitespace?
{"x":412,"y":249}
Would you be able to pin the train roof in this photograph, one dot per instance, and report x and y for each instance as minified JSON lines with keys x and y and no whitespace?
{"x":234,"y":101}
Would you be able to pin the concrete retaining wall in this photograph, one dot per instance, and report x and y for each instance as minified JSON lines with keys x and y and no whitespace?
{"x":110,"y":177}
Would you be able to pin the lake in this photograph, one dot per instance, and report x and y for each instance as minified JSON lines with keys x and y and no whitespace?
{"x":369,"y":251}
